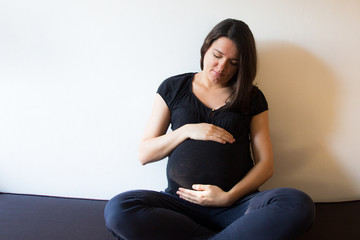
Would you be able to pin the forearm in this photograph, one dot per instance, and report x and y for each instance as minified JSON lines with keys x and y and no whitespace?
{"x":263,"y":158}
{"x":256,"y":177}
{"x":211,"y":195}
{"x":154,"y":149}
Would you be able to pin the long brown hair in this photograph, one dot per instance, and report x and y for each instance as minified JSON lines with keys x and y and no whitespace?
{"x":242,"y":82}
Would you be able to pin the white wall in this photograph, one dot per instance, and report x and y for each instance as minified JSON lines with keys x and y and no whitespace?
{"x":77,"y":81}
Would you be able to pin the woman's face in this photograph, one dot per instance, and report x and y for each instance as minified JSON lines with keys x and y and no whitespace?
{"x":221,"y":61}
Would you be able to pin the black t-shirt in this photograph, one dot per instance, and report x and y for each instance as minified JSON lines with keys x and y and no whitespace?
{"x":207,"y":162}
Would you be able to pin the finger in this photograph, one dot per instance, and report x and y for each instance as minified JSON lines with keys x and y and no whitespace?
{"x":224,"y":135}
{"x":217,"y":139}
{"x":188,"y":196}
{"x":200,"y":187}
{"x":222,"y":131}
{"x":190,"y":200}
{"x":227,"y":137}
{"x":220,"y":139}
{"x":186,"y":192}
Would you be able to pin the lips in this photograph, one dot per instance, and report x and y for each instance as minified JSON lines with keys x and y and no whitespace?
{"x":217,"y":74}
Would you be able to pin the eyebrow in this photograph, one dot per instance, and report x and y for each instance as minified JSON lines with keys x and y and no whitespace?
{"x":236,"y":59}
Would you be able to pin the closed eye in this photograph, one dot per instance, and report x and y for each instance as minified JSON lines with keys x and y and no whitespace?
{"x":218,"y":54}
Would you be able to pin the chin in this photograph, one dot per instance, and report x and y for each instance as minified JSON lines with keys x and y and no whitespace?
{"x":219,"y":80}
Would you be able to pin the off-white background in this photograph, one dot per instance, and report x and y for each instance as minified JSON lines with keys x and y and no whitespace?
{"x":78,"y":78}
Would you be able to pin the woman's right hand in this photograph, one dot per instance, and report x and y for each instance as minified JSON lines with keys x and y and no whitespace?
{"x":157,"y":144}
{"x":208,"y":132}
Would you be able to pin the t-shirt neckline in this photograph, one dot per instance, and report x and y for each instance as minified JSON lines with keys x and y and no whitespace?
{"x":198,"y":100}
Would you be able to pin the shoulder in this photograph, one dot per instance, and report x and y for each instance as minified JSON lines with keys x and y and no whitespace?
{"x":175,"y":84}
{"x":173,"y":87}
{"x":258,"y":101}
{"x":256,"y":93}
{"x":176,"y":81}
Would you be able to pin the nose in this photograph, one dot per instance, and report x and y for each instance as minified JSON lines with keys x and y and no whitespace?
{"x":221,"y":66}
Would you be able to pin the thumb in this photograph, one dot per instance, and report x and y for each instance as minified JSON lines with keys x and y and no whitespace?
{"x":199,"y":187}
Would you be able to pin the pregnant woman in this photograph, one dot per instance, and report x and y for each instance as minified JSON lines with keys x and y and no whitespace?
{"x":219,"y":153}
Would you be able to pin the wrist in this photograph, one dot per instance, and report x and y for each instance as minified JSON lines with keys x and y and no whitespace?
{"x":229,"y":198}
{"x":185,"y":132}
{"x":233,"y":196}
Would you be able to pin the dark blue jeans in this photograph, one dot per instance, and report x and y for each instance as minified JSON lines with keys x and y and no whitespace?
{"x":280,"y":213}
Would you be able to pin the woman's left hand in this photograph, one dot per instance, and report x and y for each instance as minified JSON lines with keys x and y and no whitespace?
{"x":205,"y":195}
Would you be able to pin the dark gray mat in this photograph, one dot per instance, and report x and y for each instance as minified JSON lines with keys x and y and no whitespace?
{"x":27,"y":217}
{"x":335,"y":221}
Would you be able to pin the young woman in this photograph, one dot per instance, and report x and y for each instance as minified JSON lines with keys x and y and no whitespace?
{"x":219,"y":153}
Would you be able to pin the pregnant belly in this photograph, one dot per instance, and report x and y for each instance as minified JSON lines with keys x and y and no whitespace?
{"x":208,"y":162}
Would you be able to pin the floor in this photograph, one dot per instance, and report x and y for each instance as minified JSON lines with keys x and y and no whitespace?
{"x":28,"y":217}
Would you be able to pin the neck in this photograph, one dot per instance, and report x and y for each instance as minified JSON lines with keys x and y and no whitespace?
{"x":201,"y":79}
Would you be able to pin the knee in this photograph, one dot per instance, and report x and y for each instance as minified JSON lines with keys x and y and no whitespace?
{"x":119,"y":209}
{"x":298,"y":204}
{"x":113,"y":212}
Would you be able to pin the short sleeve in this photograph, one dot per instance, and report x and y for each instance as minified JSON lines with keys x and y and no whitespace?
{"x":259,"y":103}
{"x":166,"y":91}
{"x":174,"y":87}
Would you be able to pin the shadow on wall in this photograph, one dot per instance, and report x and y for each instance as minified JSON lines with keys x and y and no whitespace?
{"x":302,"y":96}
